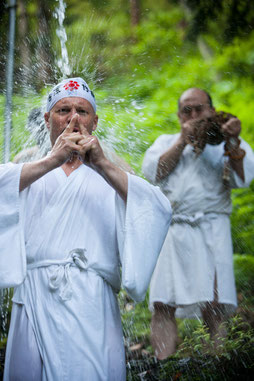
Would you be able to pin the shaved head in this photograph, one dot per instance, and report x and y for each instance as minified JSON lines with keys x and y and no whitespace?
{"x":194,"y":103}
{"x":189,"y":92}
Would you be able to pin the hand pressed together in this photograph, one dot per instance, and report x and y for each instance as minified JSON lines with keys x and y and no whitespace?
{"x":90,"y":151}
{"x":76,"y":140}
{"x":232,"y":128}
{"x":187,"y":132}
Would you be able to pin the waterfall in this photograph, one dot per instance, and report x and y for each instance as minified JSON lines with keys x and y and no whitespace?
{"x":63,"y":61}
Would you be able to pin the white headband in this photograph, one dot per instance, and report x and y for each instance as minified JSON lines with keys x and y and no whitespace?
{"x":72,"y":87}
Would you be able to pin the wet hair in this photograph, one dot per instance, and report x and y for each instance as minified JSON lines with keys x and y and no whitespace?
{"x":210,"y":102}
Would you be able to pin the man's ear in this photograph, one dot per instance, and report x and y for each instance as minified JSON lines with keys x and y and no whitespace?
{"x":213,"y":111}
{"x":46,"y":117}
{"x":95,"y":122}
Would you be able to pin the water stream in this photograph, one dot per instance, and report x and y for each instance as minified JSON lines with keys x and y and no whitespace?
{"x":63,"y":60}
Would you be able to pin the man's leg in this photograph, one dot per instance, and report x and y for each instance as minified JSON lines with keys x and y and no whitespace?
{"x":25,"y":362}
{"x":163,"y":330}
{"x":214,"y":315}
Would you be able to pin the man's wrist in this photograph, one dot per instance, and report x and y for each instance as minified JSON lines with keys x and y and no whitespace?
{"x":51,"y":161}
{"x":232,"y":143}
{"x":181,"y":142}
{"x":237,"y":154}
{"x":103,"y":165}
{"x":233,"y":149}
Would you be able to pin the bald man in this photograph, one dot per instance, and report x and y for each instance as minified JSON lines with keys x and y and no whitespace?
{"x":67,"y":223}
{"x":194,"y":274}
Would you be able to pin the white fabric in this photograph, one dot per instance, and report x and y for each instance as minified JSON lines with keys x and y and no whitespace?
{"x":146,"y":219}
{"x":12,"y":262}
{"x":71,"y":87}
{"x":71,"y":232}
{"x":24,"y":360}
{"x":198,"y":243}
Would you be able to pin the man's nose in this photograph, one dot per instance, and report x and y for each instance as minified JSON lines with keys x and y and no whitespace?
{"x":194,"y":113}
{"x":72,"y":112}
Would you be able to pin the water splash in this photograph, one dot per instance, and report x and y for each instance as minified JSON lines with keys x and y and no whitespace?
{"x":5,"y":307}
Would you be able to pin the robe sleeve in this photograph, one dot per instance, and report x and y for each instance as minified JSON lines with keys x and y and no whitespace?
{"x":12,"y":248}
{"x":142,"y":225}
{"x":248,"y":166}
{"x":153,"y":154}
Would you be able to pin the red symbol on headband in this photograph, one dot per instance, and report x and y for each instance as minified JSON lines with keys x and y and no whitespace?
{"x":71,"y":85}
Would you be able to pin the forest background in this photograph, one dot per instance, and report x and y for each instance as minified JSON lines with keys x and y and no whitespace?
{"x":138,"y":56}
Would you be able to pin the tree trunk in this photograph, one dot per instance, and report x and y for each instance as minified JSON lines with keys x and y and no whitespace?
{"x":135,"y":12}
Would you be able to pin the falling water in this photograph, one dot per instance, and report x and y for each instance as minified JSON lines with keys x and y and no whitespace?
{"x":63,"y":61}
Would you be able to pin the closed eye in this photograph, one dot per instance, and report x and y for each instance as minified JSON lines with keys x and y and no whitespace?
{"x":63,"y":110}
{"x":199,"y":108}
{"x":187,"y":110}
{"x":82,"y":112}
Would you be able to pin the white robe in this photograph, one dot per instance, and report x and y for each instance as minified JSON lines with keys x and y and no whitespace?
{"x":198,"y":244}
{"x":69,"y":232}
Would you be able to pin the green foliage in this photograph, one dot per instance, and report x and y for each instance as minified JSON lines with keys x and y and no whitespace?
{"x":198,"y":358}
{"x":244,"y":275}
{"x":135,"y":320}
{"x":5,"y":315}
{"x":229,"y":18}
{"x":239,"y":340}
{"x":21,"y":108}
{"x":242,"y":220}
{"x":233,"y":356}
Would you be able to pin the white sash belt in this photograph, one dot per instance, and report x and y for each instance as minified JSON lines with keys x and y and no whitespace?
{"x":60,"y":279}
{"x":195,"y":219}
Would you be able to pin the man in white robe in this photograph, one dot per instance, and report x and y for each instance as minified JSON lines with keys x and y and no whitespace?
{"x":67,"y":223}
{"x":194,"y":273}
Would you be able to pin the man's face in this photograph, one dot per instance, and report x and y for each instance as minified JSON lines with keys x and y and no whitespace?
{"x":194,"y":104}
{"x":58,"y":118}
